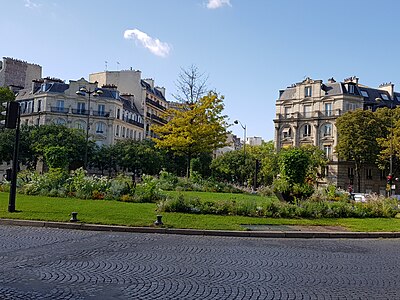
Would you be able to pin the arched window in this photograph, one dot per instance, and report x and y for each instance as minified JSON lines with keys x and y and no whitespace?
{"x":307,"y":130}
{"x":80,"y":125}
{"x":60,"y":121}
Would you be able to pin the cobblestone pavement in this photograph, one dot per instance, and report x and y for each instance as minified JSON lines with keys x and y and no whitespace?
{"x":46,"y":263}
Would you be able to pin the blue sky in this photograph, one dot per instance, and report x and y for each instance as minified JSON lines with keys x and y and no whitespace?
{"x":250,"y":49}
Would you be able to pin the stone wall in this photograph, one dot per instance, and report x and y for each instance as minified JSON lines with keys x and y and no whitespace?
{"x":18,"y":73}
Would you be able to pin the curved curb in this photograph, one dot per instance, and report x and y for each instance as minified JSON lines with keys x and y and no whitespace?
{"x":258,"y":234}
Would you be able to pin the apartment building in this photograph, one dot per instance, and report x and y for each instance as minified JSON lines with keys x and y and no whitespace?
{"x":306,"y":113}
{"x":102,"y":111}
{"x":150,"y":99}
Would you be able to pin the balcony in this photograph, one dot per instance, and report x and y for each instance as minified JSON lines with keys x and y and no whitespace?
{"x":100,"y":113}
{"x":60,"y":110}
{"x":154,"y":103}
{"x":153,"y":117}
{"x":78,"y":111}
{"x":131,"y":121}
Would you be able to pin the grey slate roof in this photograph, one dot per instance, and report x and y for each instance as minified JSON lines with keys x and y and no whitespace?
{"x":154,"y":91}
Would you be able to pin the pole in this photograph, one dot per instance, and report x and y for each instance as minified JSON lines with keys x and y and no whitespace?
{"x":13,"y":187}
{"x":391,"y":148}
{"x":87,"y":133}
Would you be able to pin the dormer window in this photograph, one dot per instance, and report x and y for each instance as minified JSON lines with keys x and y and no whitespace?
{"x":351,"y":89}
{"x":364,"y":94}
{"x":384,"y":97}
{"x":307,"y":91}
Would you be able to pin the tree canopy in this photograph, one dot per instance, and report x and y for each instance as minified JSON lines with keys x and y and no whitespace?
{"x":358,"y":133}
{"x":200,"y":129}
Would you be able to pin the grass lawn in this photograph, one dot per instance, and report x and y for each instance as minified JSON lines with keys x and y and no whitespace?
{"x":144,"y":214}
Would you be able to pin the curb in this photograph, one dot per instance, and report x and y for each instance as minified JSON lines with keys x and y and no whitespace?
{"x":255,"y":234}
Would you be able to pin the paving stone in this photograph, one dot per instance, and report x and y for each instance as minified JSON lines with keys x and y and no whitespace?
{"x":50,"y":263}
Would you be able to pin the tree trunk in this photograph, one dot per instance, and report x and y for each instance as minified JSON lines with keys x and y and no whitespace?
{"x":189,"y":158}
{"x":358,"y":174}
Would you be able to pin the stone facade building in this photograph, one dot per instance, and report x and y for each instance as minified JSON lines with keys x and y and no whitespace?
{"x":306,"y":113}
{"x":150,"y":99}
{"x":111,"y":117}
{"x":18,"y":74}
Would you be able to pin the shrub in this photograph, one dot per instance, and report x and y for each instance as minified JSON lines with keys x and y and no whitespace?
{"x":148,"y":190}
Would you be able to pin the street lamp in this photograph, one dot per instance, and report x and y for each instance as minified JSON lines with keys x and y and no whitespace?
{"x":244,"y":135}
{"x":83,"y":91}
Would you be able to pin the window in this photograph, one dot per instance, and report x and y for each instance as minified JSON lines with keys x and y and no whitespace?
{"x":351,"y":106}
{"x":60,"y":121}
{"x":118,"y":113}
{"x":101,"y":109}
{"x":307,"y":91}
{"x":328,"y":151}
{"x":369,"y":173}
{"x":384,"y":97}
{"x":364,"y":94}
{"x":327,"y":129}
{"x":81,"y":108}
{"x":350,"y":172}
{"x":307,"y":111}
{"x":287,"y":112}
{"x":117,"y":130}
{"x":351,"y":89}
{"x":134,"y":135}
{"x":39,"y":107}
{"x":307,"y":130}
{"x":287,"y":132}
{"x":382,"y":175}
{"x":80,"y":125}
{"x":60,"y":105}
{"x":123,"y":131}
{"x":328,"y":109}
{"x":100,"y":128}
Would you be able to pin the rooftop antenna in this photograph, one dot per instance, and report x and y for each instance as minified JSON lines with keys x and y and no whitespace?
{"x":117,"y":66}
{"x":106,"y":62}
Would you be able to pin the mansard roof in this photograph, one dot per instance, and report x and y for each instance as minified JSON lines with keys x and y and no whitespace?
{"x":154,"y":91}
{"x":333,"y":88}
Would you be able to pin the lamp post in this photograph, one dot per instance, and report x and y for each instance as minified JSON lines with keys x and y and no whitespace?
{"x":244,"y":136}
{"x":83,"y":92}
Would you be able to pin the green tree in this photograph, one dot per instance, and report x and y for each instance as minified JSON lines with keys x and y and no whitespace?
{"x":389,"y":142}
{"x":56,"y":157}
{"x":295,"y":164}
{"x":6,"y":95}
{"x":199,"y":129}
{"x":142,"y":156}
{"x":73,"y":140}
{"x":358,"y":133}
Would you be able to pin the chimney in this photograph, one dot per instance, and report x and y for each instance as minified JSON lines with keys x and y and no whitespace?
{"x":388,"y":87}
{"x":161,"y":89}
{"x":150,"y":81}
{"x":331,"y":80}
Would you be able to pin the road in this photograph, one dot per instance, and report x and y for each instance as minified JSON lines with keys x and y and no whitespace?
{"x":46,"y":263}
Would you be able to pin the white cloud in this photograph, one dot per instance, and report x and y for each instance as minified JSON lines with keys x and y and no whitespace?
{"x":31,"y":4}
{"x":155,"y":46}
{"x":214,"y":4}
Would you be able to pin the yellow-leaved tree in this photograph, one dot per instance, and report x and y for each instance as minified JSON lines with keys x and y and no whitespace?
{"x":194,"y":128}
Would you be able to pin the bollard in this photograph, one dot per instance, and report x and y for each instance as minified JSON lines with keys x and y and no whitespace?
{"x":74,"y":217}
{"x":158,"y":221}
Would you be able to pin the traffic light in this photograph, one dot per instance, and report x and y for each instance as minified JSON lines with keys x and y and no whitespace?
{"x":11,"y":114}
{"x":389,"y":179}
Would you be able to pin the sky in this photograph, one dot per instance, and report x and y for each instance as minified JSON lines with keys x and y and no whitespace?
{"x":249,"y":49}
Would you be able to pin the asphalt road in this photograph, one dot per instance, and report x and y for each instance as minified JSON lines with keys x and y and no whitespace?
{"x":46,"y":263}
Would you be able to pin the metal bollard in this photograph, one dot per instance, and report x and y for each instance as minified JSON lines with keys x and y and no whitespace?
{"x":74,"y":217}
{"x":158,"y":221}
